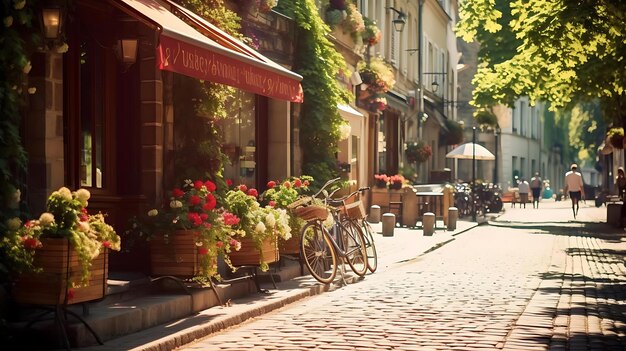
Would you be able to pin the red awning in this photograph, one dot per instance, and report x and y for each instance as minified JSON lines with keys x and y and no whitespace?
{"x":209,"y":53}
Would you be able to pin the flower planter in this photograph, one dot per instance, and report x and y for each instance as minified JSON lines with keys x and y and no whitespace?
{"x":178,"y":256}
{"x":290,"y":246}
{"x":249,"y":255}
{"x":61,"y":269}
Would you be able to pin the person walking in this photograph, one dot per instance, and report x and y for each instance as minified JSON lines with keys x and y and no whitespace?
{"x":575,"y":186}
{"x":536,"y":183}
{"x":620,"y":183}
{"x":523,"y":189}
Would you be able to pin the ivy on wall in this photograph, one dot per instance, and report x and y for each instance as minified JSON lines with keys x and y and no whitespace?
{"x":319,"y":63}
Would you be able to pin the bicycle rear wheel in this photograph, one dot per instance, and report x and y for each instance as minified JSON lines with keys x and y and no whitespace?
{"x":354,"y":247}
{"x":318,"y":253}
{"x":370,"y":247}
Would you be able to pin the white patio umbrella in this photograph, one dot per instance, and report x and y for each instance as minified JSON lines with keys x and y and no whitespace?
{"x":466,"y":152}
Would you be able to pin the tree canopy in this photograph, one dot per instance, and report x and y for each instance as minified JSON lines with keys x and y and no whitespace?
{"x":566,"y":51}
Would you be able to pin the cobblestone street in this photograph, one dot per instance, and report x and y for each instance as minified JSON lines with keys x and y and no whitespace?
{"x":513,"y":285}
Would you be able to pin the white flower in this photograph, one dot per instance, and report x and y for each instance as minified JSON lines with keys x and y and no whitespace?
{"x":260,"y":227}
{"x":14,"y":223}
{"x":83,"y":195}
{"x":270,"y":220}
{"x":176,"y":204}
{"x":32,"y":90}
{"x":8,"y":21}
{"x":84,"y":227}
{"x":199,"y":243}
{"x":344,"y":131}
{"x":27,"y":67}
{"x":18,"y":5}
{"x":63,"y":48}
{"x":46,"y":219}
{"x":65,"y":193}
{"x":153,"y":212}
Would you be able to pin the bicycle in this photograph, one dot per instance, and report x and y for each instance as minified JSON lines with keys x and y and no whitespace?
{"x":354,"y":212}
{"x":320,"y":250}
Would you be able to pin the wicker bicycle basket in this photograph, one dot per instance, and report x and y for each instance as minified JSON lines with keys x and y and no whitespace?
{"x":354,"y":210}
{"x":311,"y":213}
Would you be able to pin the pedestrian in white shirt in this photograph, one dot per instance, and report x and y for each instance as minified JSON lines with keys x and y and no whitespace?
{"x":523,"y":189}
{"x":575,"y":186}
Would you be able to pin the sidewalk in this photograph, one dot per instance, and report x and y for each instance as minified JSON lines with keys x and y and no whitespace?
{"x":406,"y":244}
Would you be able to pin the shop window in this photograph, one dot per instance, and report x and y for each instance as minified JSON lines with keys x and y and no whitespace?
{"x":91,"y":117}
{"x":240,"y":141}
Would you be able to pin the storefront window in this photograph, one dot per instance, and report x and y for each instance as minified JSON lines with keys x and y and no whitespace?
{"x":91,"y":118}
{"x":382,"y":146}
{"x":240,"y":142}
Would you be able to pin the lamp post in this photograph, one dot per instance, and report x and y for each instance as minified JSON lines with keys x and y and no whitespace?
{"x":473,"y":174}
{"x":495,"y":168}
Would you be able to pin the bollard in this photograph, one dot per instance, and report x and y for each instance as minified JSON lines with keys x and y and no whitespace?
{"x":428,"y":223}
{"x":453,"y":216}
{"x":613,"y":214}
{"x":389,"y":223}
{"x":374,"y":216}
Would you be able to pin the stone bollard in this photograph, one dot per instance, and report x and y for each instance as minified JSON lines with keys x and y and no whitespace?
{"x":374,"y":216}
{"x":389,"y":223}
{"x":613,"y":213}
{"x":428,"y":223}
{"x":453,"y":216}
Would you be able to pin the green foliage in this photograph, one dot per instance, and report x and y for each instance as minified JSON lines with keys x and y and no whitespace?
{"x":200,"y":106}
{"x":566,"y":51}
{"x":319,"y":63}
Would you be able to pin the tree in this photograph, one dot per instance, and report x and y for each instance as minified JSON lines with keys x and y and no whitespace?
{"x":567,"y":52}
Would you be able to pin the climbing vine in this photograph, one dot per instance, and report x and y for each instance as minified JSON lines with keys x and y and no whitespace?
{"x":319,"y":63}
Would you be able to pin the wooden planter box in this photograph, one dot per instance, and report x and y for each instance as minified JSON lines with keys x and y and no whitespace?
{"x":249,"y":255}
{"x":383,"y":196}
{"x":290,"y":246}
{"x":61,"y":268}
{"x":177,"y":257}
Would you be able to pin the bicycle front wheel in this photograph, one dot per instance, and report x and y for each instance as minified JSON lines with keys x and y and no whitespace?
{"x":370,"y":247}
{"x":318,"y":253}
{"x":354,"y":247}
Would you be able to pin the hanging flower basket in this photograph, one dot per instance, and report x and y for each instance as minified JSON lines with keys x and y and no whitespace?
{"x":418,"y":152}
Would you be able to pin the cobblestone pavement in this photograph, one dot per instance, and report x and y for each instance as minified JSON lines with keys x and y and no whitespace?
{"x":511,"y":286}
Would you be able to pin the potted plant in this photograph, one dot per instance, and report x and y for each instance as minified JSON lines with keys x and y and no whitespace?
{"x":281,"y":195}
{"x":396,"y":182}
{"x":189,"y":233}
{"x":381,"y":180}
{"x":259,"y":228}
{"x":61,"y":257}
{"x":455,"y":132}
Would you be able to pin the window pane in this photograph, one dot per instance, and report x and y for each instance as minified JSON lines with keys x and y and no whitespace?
{"x":86,"y":144}
{"x":240,"y":140}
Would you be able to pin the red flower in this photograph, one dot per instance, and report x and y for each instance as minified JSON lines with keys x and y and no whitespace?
{"x":271,"y":184}
{"x":210,"y":186}
{"x":243,"y":188}
{"x":207,"y":225}
{"x":297,"y":183}
{"x":194,"y":200}
{"x":272,"y":203}
{"x":83,"y":217}
{"x":203,"y":251}
{"x":198,"y":184}
{"x":210,"y":203}
{"x":253,"y":192}
{"x":29,"y":224}
{"x":230,"y":218}
{"x":70,"y":294}
{"x":194,"y":218}
{"x":31,"y":243}
{"x":204,"y":216}
{"x":287,"y":184}
{"x":219,"y":244}
{"x":306,"y":183}
{"x":106,"y":244}
{"x":177,"y":192}
{"x":229,"y":182}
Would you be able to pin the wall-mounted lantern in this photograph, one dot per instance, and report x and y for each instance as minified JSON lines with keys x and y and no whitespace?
{"x":400,"y":21}
{"x":126,"y":51}
{"x":52,"y":22}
